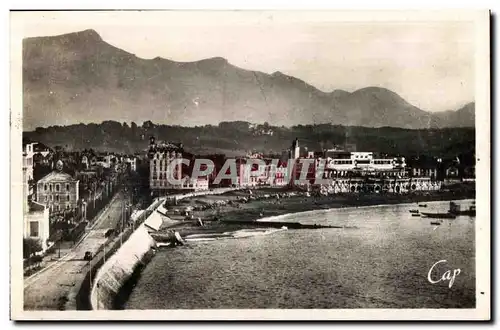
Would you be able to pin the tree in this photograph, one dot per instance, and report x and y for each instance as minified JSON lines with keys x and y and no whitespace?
{"x":30,"y":247}
{"x":36,"y":260}
{"x":148,"y":124}
{"x":40,"y":170}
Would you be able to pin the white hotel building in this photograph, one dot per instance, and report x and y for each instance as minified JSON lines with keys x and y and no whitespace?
{"x":161,"y":155}
{"x":340,"y":163}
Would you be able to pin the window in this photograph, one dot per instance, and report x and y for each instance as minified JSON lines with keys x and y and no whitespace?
{"x":50,"y":187}
{"x":46,"y":198}
{"x":67,"y":206}
{"x":34,"y":228}
{"x":51,"y":198}
{"x":57,"y":208}
{"x":58,"y":187}
{"x":57,"y":198}
{"x":67,"y":198}
{"x":45,"y":187}
{"x":67,"y":187}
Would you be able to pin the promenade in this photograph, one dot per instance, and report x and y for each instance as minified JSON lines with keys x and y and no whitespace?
{"x":48,"y":289}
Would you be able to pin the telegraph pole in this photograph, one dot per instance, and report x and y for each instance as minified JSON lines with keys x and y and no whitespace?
{"x":59,"y":245}
{"x":121,"y":225}
{"x":90,"y":276}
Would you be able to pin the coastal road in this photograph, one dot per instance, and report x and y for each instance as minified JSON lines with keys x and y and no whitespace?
{"x":48,"y":289}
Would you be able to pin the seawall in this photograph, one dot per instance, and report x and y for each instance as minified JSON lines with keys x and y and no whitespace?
{"x":113,"y":266}
{"x":112,"y":276}
{"x":80,"y":296}
{"x":217,"y":191}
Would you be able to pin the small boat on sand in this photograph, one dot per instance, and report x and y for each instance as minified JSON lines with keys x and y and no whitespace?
{"x":414,"y":211}
{"x":439,"y":215}
{"x":415,"y":214}
{"x":422,"y":205}
{"x":437,"y":223}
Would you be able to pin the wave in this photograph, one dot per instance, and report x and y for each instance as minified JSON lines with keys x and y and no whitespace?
{"x":241,"y":233}
{"x":282,"y":217}
{"x":201,"y":239}
{"x":255,"y":232}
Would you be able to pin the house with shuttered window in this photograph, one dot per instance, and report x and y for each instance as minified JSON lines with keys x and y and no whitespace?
{"x":58,"y":191}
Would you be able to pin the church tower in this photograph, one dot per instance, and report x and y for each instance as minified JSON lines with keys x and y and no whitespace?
{"x":152,"y":147}
{"x":295,"y":149}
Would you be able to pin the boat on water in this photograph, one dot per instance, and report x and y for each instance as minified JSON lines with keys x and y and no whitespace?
{"x":439,"y":215}
{"x":456,"y":210}
{"x":422,"y":205}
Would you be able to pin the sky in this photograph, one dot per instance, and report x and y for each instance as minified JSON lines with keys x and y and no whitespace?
{"x":428,"y":60}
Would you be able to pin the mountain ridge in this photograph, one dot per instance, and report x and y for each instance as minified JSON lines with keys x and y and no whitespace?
{"x":78,"y":77}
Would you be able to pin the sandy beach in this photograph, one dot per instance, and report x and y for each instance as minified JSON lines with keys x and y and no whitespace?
{"x":226,"y":212}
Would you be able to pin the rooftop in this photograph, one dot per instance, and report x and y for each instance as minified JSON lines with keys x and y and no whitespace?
{"x":57,"y":176}
{"x":36,"y":207}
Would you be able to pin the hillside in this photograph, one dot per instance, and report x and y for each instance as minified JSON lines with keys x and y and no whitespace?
{"x":239,"y":138}
{"x":79,"y":78}
{"x":462,"y":117}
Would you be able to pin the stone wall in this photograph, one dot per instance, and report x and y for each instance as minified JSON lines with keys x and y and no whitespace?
{"x":80,"y":296}
{"x":119,"y":268}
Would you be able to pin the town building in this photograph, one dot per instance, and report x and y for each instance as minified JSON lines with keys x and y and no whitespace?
{"x":280,"y":177}
{"x":40,"y":159}
{"x":195,"y":184}
{"x":102,"y":161}
{"x":160,"y":157}
{"x":350,"y":171}
{"x":58,"y":190}
{"x":424,"y":167}
{"x":452,"y":171}
{"x":33,"y":153}
{"x":424,"y":171}
{"x":131,"y":163}
{"x":28,"y":172}
{"x":37,"y":224}
{"x":85,"y":162}
{"x":31,"y":148}
{"x":343,"y":163}
{"x":340,"y":163}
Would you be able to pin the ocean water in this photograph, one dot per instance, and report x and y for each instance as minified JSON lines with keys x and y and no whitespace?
{"x":380,"y":260}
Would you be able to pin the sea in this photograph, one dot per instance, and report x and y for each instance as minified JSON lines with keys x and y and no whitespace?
{"x":380,"y":258}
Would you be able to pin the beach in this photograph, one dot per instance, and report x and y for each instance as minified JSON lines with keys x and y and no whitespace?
{"x":234,"y":210}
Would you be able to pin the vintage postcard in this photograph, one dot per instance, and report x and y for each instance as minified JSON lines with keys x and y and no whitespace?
{"x":250,"y":165}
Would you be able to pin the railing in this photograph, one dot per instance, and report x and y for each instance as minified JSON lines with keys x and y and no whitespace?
{"x":81,"y":299}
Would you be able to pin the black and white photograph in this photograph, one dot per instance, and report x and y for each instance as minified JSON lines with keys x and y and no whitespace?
{"x":250,"y":165}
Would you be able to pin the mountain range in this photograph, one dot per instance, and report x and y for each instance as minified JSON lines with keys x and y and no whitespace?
{"x":80,"y":78}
